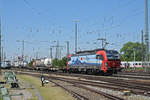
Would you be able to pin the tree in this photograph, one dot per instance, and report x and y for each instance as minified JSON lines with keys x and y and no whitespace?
{"x":64,"y":61}
{"x":31,"y":63}
{"x":59,"y":63}
{"x":128,"y":49}
{"x":55,"y":62}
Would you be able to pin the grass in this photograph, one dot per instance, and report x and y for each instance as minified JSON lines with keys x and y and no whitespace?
{"x":0,"y":95}
{"x":34,"y":97}
{"x":134,"y":69}
{"x":28,"y":88}
{"x":49,"y":92}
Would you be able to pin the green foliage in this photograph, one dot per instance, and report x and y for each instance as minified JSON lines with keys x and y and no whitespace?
{"x":31,"y":63}
{"x":127,"y":51}
{"x":0,"y":95}
{"x":59,"y":63}
{"x":64,"y":61}
{"x":55,"y":62}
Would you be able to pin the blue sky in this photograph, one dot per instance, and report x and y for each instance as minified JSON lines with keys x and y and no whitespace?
{"x":119,"y":21}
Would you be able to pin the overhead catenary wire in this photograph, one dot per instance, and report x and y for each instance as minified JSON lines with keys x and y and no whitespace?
{"x":123,"y":20}
{"x":111,"y":19}
{"x":33,"y":9}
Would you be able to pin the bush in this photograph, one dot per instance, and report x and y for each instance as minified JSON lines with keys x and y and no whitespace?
{"x":59,"y":63}
{"x":31,"y":63}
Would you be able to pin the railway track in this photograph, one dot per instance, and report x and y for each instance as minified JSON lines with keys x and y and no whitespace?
{"x":111,"y":84}
{"x":135,"y":86}
{"x":133,"y":76}
{"x":135,"y":73}
{"x":110,"y":79}
{"x":129,"y":75}
{"x":117,"y":76}
{"x":76,"y":95}
{"x":80,"y":85}
{"x":111,"y":97}
{"x":107,"y":85}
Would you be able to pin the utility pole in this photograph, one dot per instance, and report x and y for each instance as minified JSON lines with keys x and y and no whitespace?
{"x":51,"y":53}
{"x":37,"y":55}
{"x":61,"y":48}
{"x":134,"y":55}
{"x":2,"y":55}
{"x":22,"y":48}
{"x":143,"y":52}
{"x":103,"y":42}
{"x":33,"y":53}
{"x":76,"y":36}
{"x":0,"y":45}
{"x":57,"y":50}
{"x":67,"y":48}
{"x":146,"y":30}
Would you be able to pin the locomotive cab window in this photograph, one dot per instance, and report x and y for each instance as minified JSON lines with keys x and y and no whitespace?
{"x":100,"y":57}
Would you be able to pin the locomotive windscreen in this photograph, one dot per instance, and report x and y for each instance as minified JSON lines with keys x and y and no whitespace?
{"x":112,"y":55}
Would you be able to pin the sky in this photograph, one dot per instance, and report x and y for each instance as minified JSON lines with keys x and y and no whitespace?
{"x":41,"y":22}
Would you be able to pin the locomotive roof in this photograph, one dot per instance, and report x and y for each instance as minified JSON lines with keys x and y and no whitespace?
{"x":88,"y":51}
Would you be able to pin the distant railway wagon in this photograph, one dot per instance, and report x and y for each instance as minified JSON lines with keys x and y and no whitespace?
{"x":137,"y":64}
{"x":94,"y":61}
{"x":42,"y":64}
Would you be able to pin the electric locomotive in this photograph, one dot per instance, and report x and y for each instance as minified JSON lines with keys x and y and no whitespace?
{"x":94,"y":61}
